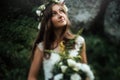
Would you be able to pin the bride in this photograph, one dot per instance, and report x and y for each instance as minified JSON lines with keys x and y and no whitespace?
{"x":53,"y":39}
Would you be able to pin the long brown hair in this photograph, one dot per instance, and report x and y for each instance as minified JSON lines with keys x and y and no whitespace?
{"x":46,"y":33}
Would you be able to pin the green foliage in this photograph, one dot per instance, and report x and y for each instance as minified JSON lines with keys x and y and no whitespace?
{"x":16,"y":37}
{"x":103,"y":57}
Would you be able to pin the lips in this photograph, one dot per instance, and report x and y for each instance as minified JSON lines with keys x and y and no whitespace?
{"x":61,"y":20}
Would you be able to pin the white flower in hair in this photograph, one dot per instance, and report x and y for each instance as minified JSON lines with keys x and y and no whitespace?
{"x":42,"y":7}
{"x":38,"y":12}
{"x":39,"y":25}
{"x":58,"y":1}
{"x":65,"y":7}
{"x":61,"y":1}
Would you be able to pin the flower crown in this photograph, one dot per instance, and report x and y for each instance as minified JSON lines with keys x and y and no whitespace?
{"x":42,"y":7}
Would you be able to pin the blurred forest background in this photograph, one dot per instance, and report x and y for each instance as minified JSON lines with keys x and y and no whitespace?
{"x":99,"y":18}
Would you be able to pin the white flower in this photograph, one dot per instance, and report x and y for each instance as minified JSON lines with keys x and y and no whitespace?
{"x":79,"y":40}
{"x":58,"y":1}
{"x":75,"y":77}
{"x":65,"y":7}
{"x":73,"y":53}
{"x":71,"y":62}
{"x":42,"y":7}
{"x":61,"y":1}
{"x":39,"y":26}
{"x":58,"y":77}
{"x":63,"y":68}
{"x":38,"y":12}
{"x":78,"y":65}
{"x":60,"y":63}
{"x":85,"y":68}
{"x":90,"y":75}
{"x":75,"y":69}
{"x":77,"y":47}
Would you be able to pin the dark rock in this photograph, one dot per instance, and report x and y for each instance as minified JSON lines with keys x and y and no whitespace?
{"x":112,"y":21}
{"x":82,"y":12}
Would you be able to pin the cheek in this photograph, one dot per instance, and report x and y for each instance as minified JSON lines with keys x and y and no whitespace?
{"x":65,"y":16}
{"x":54,"y":20}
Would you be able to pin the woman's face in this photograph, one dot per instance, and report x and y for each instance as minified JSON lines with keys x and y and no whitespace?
{"x":59,"y":17}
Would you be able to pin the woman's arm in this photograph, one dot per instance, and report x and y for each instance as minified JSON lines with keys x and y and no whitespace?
{"x":83,"y":53}
{"x":35,"y":65}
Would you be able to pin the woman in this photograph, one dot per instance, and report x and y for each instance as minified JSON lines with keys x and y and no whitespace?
{"x":55,"y":28}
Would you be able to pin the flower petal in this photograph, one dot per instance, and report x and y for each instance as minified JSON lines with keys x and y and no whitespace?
{"x":71,"y":62}
{"x":63,"y":68}
{"x":58,"y":77}
{"x":39,"y":26}
{"x":38,"y":12}
{"x":75,"y":77}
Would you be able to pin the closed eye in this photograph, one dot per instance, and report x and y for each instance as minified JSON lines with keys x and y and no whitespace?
{"x":54,"y":13}
{"x":61,"y":10}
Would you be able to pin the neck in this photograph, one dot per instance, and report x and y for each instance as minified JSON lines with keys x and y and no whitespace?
{"x":58,"y":33}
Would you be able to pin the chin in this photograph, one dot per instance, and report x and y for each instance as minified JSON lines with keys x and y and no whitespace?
{"x":63,"y":25}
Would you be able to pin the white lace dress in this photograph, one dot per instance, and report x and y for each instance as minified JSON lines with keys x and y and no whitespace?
{"x":55,"y":57}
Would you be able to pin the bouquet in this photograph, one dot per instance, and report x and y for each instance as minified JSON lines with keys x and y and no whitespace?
{"x":70,"y":67}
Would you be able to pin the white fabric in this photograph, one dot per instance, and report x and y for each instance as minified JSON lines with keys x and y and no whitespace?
{"x":55,"y":57}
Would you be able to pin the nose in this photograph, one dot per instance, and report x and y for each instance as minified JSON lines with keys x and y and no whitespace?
{"x":60,"y":15}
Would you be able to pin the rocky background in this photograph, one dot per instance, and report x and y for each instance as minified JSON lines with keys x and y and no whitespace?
{"x":99,"y":18}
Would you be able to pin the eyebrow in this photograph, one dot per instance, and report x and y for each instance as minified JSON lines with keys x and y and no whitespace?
{"x":58,"y":9}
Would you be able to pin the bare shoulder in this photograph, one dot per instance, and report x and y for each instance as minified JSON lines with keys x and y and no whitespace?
{"x":38,"y":53}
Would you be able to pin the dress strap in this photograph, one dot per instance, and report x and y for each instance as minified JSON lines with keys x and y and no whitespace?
{"x":40,"y":46}
{"x":79,"y":40}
